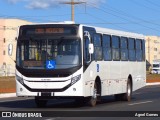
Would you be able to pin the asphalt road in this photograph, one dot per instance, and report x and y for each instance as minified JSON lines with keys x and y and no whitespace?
{"x":145,"y":99}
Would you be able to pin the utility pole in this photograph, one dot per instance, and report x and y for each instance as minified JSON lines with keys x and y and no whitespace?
{"x":72,"y":3}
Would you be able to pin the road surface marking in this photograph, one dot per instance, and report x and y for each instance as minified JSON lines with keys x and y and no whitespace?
{"x":141,"y":103}
{"x":136,"y":93}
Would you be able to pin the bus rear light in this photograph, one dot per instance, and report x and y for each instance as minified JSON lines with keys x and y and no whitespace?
{"x":75,"y":79}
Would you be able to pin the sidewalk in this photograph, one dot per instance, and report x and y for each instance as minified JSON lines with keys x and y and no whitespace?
{"x":154,"y":83}
{"x":6,"y":95}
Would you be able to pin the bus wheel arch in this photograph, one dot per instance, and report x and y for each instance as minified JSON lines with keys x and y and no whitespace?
{"x":99,"y":87}
{"x":131,"y":80}
{"x":96,"y":92}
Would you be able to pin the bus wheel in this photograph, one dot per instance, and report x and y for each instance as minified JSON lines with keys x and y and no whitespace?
{"x":93,"y":99}
{"x":127,"y":96}
{"x":40,"y":103}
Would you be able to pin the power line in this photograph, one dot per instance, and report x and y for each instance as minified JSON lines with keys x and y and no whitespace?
{"x":133,"y":17}
{"x":106,"y":22}
{"x":51,"y":15}
{"x":38,"y":18}
{"x":143,"y":5}
{"x":127,"y":15}
{"x":151,"y":2}
{"x":122,"y":17}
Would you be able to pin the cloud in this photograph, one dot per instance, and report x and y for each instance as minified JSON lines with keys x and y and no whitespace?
{"x":12,"y":1}
{"x":93,"y":1}
{"x":39,"y":4}
{"x":44,"y":4}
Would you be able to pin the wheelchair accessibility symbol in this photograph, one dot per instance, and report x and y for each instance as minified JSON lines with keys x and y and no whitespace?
{"x":50,"y":64}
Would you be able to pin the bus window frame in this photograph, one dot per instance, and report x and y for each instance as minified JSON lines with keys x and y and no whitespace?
{"x":139,"y":50}
{"x":115,"y":48}
{"x":101,"y":49}
{"x":131,"y":49}
{"x":106,"y":47}
{"x":124,"y":49}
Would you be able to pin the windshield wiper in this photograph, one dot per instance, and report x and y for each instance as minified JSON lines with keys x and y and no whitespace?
{"x":61,"y":40}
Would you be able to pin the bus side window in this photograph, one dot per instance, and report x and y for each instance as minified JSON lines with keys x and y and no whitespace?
{"x":115,"y":48}
{"x":131,"y":47}
{"x":97,"y":47}
{"x":139,"y":50}
{"x":124,"y":48}
{"x":107,"y":52}
{"x":86,"y":50}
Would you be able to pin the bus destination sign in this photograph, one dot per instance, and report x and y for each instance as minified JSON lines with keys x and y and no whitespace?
{"x":38,"y":30}
{"x":49,"y":30}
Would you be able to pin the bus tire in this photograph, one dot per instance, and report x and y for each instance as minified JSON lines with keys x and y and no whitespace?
{"x":40,"y":103}
{"x":93,"y":99}
{"x":128,"y":95}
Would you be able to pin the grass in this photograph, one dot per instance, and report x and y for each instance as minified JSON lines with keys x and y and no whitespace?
{"x":8,"y":84}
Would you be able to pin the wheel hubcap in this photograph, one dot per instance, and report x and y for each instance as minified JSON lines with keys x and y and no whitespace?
{"x":95,"y":93}
{"x":129,"y":90}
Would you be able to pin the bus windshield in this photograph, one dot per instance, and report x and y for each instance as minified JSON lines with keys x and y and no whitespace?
{"x":61,"y":53}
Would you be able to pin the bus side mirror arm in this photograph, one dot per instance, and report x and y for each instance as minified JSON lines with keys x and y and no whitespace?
{"x":91,"y":51}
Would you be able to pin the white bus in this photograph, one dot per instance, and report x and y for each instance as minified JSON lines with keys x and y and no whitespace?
{"x":62,"y":60}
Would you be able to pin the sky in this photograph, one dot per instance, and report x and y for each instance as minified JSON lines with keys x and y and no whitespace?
{"x":139,"y":16}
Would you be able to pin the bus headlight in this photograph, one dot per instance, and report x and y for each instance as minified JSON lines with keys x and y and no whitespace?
{"x":75,"y":79}
{"x":20,"y":79}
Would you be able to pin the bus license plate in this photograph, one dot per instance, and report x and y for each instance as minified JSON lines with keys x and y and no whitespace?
{"x":45,"y":94}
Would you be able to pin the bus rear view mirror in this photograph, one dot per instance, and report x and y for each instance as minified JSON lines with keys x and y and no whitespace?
{"x":10,"y":49}
{"x":91,"y":48}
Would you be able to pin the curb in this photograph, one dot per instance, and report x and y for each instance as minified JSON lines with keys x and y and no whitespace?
{"x":155,"y":83}
{"x":7,"y":95}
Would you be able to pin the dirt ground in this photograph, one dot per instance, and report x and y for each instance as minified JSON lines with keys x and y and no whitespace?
{"x":153,"y":78}
{"x":8,"y":85}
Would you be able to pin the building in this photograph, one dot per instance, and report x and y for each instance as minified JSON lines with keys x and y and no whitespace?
{"x":152,"y":49}
{"x":8,"y":34}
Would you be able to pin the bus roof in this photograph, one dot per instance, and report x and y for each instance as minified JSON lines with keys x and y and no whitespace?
{"x":100,"y":30}
{"x":117,"y":32}
{"x":65,"y":22}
